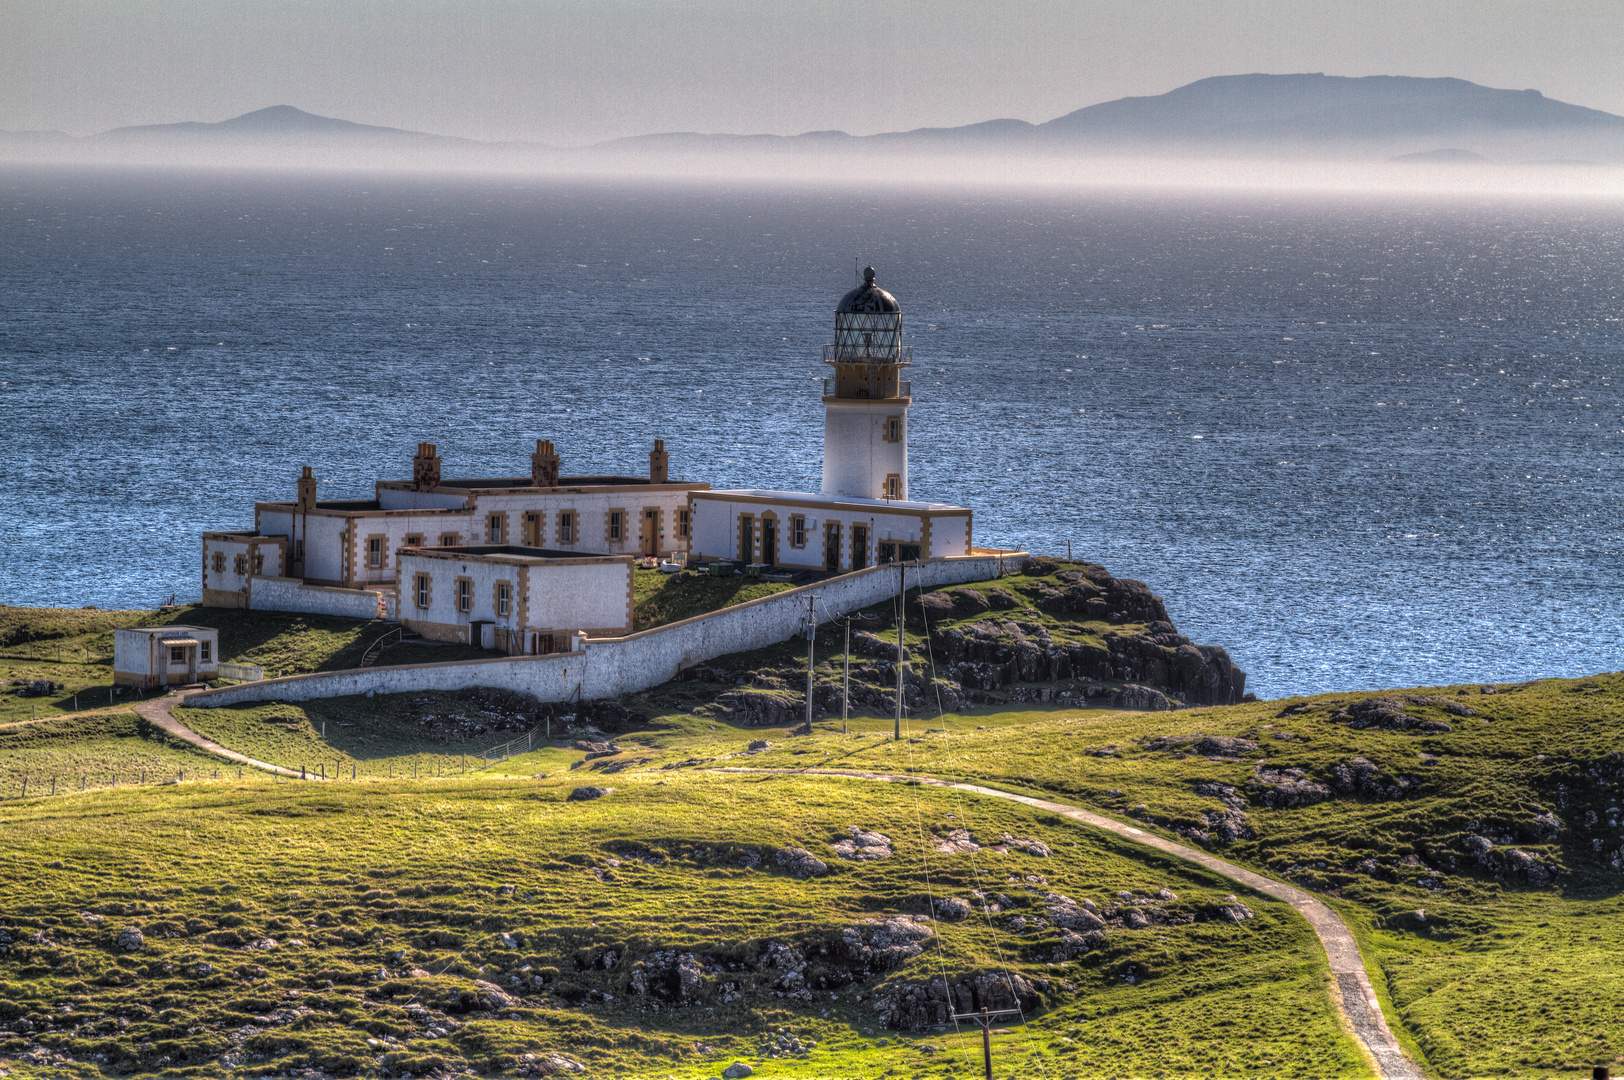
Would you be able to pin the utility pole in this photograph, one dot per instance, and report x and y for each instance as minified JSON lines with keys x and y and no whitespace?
{"x":845,"y":681}
{"x":984,"y":1018}
{"x":902,"y":610}
{"x":811,"y":641}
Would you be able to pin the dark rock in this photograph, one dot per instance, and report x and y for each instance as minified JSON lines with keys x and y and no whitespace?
{"x":800,"y":862}
{"x":952,"y":909}
{"x":582,"y":794}
{"x":130,"y":939}
{"x":1386,"y":714}
{"x":1205,"y":745}
{"x":737,"y":1071}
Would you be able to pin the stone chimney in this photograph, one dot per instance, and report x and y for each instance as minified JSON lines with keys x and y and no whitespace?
{"x":659,"y":463}
{"x":426,"y":466}
{"x":307,"y":491}
{"x":544,"y":465}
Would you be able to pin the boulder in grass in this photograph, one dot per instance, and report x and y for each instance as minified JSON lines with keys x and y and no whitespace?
{"x":130,"y":939}
{"x":582,"y":794}
{"x":800,"y":862}
{"x":737,"y":1071}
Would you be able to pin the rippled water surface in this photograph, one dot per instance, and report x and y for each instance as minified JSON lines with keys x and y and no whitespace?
{"x":1358,"y":442}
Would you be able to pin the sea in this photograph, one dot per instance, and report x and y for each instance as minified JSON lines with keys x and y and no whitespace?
{"x":1360,"y":441}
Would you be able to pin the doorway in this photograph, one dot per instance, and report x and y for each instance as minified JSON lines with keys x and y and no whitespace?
{"x":747,"y":539}
{"x":831,"y":547}
{"x":651,"y":531}
{"x":859,"y":546}
{"x":769,"y":541}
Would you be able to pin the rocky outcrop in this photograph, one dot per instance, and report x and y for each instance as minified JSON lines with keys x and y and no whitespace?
{"x":920,"y":1006}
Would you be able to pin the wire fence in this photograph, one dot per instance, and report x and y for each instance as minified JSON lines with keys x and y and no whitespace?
{"x":32,"y":785}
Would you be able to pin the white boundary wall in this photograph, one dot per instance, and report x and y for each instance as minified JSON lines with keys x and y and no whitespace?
{"x":610,"y":667}
{"x":291,"y":594}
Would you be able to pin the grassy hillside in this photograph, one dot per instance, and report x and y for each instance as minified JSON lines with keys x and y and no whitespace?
{"x":646,"y":933}
{"x":1467,"y":849}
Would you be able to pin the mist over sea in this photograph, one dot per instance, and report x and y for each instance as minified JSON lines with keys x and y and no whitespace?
{"x":1358,"y":441}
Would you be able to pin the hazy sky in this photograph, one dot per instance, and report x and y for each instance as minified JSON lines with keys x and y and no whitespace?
{"x":571,"y":71}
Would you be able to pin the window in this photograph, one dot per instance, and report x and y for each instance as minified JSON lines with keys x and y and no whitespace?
{"x":240,"y":565}
{"x":420,"y":586}
{"x":414,"y":540}
{"x":375,"y":552}
{"x":219,"y":562}
{"x":566,"y":526}
{"x":504,"y":598}
{"x":465,"y":595}
{"x":909,"y":552}
{"x":496,"y":528}
{"x":797,"y":530}
{"x":298,"y":550}
{"x":203,"y":650}
{"x":684,"y":523}
{"x":177,"y":654}
{"x":449,"y":539}
{"x":617,"y":526}
{"x":885,"y":553}
{"x":893,"y":486}
{"x":893,"y":429}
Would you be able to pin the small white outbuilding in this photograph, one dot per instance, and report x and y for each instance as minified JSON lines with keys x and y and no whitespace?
{"x":154,"y":656}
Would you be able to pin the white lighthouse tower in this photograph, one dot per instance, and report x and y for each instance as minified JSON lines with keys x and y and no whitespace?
{"x":865,"y":404}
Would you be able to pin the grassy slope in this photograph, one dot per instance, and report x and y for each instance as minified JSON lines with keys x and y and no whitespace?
{"x":360,"y":873}
{"x":98,"y":751}
{"x":1501,"y":976}
{"x":659,"y":598}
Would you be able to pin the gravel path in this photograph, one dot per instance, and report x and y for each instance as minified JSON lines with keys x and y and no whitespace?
{"x":1354,"y":997}
{"x":158,"y":709}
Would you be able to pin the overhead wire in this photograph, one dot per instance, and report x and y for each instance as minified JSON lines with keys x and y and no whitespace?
{"x":958,"y":794}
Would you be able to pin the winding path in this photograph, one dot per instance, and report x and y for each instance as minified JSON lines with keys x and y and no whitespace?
{"x":1354,"y":997}
{"x":158,"y":711}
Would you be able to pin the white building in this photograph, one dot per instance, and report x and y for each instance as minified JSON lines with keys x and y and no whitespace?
{"x":863,"y":515}
{"x":154,"y":656}
{"x":344,"y":557}
{"x":515,"y":599}
{"x":338,"y":557}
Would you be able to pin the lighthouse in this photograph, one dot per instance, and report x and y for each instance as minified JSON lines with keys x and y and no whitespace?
{"x":865,"y":402}
{"x":863,"y":517}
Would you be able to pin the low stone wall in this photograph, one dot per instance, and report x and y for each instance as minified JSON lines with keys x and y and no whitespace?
{"x":610,"y":667}
{"x":291,"y":594}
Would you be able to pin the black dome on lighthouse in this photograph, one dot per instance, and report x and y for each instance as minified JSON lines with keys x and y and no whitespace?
{"x":868,"y":299}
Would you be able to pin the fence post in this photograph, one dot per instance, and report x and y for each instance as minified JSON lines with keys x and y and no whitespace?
{"x":352,"y":770}
{"x":301,"y":772}
{"x":84,"y":781}
{"x":25,"y":787}
{"x":53,"y":785}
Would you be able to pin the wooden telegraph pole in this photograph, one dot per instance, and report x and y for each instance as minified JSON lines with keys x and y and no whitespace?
{"x":902,"y":611}
{"x":984,"y":1018}
{"x":811,"y":641}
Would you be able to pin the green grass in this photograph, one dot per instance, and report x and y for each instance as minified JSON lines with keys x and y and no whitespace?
{"x":101,"y":750}
{"x":431,"y":732}
{"x":1556,"y":745}
{"x":659,"y":598}
{"x":396,"y":876}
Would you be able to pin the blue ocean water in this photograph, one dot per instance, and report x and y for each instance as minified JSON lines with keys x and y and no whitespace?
{"x":1358,"y":441}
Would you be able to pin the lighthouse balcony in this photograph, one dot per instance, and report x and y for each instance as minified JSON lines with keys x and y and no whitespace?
{"x":862,"y":352}
{"x":840,"y":388}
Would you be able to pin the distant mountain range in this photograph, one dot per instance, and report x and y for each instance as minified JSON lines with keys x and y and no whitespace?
{"x":278,"y":123}
{"x":1255,"y":115}
{"x":1375,"y":118}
